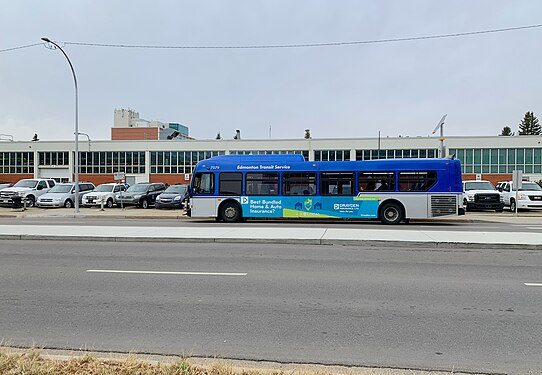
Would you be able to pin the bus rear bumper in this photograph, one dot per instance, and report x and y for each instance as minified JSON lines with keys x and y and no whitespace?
{"x":461,"y":211}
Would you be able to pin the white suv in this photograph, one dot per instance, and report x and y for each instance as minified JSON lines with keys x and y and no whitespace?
{"x":529,"y":196}
{"x":105,"y":192}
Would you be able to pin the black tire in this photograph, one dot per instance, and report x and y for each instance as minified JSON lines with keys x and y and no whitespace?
{"x":391,"y":213}
{"x":466,"y":205}
{"x":109,"y":203}
{"x":68,"y":203}
{"x":30,"y":201}
{"x":230,"y":212}
{"x":513,"y":205}
{"x":145,"y":204}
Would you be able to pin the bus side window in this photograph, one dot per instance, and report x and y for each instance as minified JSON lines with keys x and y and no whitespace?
{"x":336,"y":183}
{"x":299,"y":183}
{"x":204,"y":183}
{"x":417,"y":181}
{"x":261,"y":183}
{"x":376,"y":181}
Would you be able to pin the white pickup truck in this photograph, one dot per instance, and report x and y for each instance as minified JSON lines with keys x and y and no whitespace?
{"x":481,"y":195}
{"x":529,"y":196}
{"x":28,"y":190}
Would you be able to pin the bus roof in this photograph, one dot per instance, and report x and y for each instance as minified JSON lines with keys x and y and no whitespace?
{"x":296,"y":162}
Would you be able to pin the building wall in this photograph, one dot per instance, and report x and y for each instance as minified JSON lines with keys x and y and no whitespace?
{"x":170,"y":179}
{"x":132,"y":134}
{"x":13,"y":178}
{"x":123,"y":118}
{"x":96,"y":179}
{"x":493,"y":178}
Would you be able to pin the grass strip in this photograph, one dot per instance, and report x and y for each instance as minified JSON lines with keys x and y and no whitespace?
{"x":38,"y":362}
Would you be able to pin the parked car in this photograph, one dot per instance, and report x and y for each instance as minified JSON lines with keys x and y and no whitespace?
{"x":481,"y":195}
{"x":529,"y":196}
{"x":175,"y":196}
{"x":142,"y":194}
{"x":5,"y":185}
{"x":63,"y":195}
{"x":106,"y":192}
{"x":28,"y":190}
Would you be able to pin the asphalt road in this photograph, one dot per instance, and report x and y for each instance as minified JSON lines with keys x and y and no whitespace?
{"x":406,"y":308}
{"x":189,"y":223}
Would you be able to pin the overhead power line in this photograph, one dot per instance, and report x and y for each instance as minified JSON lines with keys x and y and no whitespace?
{"x":328,"y":44}
{"x":299,"y":45}
{"x":20,"y":47}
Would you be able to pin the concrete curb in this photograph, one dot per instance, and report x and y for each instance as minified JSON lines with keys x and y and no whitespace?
{"x":415,"y":245}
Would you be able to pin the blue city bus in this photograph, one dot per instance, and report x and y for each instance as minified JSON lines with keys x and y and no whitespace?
{"x":232,"y":188}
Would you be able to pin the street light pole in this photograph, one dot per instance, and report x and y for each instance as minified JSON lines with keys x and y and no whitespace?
{"x":76,"y":159}
{"x":88,"y":137}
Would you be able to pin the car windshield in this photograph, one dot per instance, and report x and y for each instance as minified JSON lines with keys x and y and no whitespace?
{"x":530,"y":186}
{"x":61,"y":189}
{"x":176,"y":189}
{"x":104,"y":189}
{"x":137,"y":188}
{"x":478,"y":185}
{"x":26,"y":183}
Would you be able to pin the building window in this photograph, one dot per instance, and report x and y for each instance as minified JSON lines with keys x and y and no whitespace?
{"x":111,"y":162}
{"x":177,"y":162}
{"x":17,"y":162}
{"x":271,"y":152}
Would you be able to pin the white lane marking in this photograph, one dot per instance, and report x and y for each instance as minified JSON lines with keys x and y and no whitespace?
{"x":533,"y":284}
{"x":172,"y":273}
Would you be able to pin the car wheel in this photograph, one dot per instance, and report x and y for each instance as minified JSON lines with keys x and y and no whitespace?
{"x":68,"y":203}
{"x":30,"y":201}
{"x":512,"y":205}
{"x":109,"y":203}
{"x":144,"y":204}
{"x":391,"y":213}
{"x":230,"y":212}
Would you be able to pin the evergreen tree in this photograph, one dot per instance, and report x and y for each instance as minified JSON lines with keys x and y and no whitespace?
{"x":507,"y":131}
{"x":529,"y":125}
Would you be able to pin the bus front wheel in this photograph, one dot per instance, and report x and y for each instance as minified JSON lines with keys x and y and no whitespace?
{"x":230,"y":212}
{"x":391,"y":213}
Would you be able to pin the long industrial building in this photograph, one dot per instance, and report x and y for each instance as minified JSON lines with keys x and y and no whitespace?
{"x":172,"y":160}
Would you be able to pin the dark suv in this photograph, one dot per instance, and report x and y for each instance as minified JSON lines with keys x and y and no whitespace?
{"x":142,"y":194}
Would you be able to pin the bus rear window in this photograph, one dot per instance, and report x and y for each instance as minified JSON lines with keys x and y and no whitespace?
{"x":299,"y":184}
{"x":417,"y":181}
{"x":204,"y":183}
{"x":231,"y":183}
{"x":262,"y":184}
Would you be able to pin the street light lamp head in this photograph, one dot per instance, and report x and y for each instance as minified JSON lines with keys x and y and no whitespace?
{"x":46,"y":40}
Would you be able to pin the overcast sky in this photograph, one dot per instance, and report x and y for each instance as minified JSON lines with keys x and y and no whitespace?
{"x":483,"y":82}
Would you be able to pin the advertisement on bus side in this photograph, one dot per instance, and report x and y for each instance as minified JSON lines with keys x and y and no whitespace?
{"x":363,"y":206}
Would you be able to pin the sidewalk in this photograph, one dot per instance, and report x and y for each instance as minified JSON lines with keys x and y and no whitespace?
{"x":329,"y":235}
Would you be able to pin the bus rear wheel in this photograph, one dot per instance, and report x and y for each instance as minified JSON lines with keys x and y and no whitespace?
{"x":230,"y":212}
{"x":391,"y":213}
